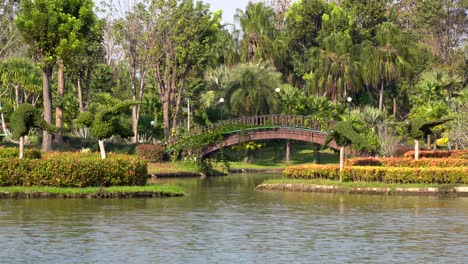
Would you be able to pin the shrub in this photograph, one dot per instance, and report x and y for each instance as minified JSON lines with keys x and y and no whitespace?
{"x":312,"y":171}
{"x":451,"y":175}
{"x":14,"y":153}
{"x":73,"y":170}
{"x":438,"y":154}
{"x":408,"y":162}
{"x":150,"y":152}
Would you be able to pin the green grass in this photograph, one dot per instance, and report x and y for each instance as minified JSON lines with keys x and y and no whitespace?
{"x":350,"y":184}
{"x":120,"y":191}
{"x":273,"y":156}
{"x":172,"y":167}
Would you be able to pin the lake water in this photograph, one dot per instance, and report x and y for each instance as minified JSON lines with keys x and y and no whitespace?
{"x":224,"y":220}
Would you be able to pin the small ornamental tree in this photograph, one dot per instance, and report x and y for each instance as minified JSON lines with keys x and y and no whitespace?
{"x":25,"y":118}
{"x":344,"y":135}
{"x":419,"y":128}
{"x":107,"y":123}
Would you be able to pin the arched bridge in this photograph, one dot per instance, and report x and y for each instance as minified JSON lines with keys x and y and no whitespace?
{"x":263,"y":127}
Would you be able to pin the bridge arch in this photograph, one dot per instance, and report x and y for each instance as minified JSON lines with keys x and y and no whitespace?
{"x":255,"y":134}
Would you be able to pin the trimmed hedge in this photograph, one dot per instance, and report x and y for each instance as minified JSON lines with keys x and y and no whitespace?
{"x":407,"y":162}
{"x":439,"y":154}
{"x":73,"y":170}
{"x":14,"y":153}
{"x":455,"y":175}
{"x":150,"y":152}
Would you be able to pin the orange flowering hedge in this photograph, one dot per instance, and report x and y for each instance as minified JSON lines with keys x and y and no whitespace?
{"x":439,"y":154}
{"x":73,"y":170}
{"x":451,"y":175}
{"x":408,"y":162}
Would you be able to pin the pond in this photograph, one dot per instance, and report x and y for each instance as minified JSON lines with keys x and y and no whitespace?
{"x":224,"y":220}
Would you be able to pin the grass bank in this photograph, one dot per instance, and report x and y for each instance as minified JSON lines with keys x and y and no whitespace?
{"x":91,"y":192}
{"x":332,"y":186}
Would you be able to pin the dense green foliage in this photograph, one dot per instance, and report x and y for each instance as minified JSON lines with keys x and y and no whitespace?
{"x":73,"y":170}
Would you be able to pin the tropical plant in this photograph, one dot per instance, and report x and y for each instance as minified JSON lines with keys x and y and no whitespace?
{"x":387,"y":61}
{"x":344,"y":135}
{"x":251,"y":90}
{"x":258,"y":28}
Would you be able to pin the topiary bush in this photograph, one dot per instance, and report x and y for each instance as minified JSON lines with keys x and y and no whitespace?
{"x":150,"y":152}
{"x":14,"y":152}
{"x":73,"y":170}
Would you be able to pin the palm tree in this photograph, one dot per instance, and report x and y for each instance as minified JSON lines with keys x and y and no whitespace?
{"x":258,"y":28}
{"x":251,"y":90}
{"x":22,"y":77}
{"x":386,"y":61}
{"x":336,"y":71}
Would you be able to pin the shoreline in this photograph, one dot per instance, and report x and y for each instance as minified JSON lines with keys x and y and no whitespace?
{"x":301,"y":187}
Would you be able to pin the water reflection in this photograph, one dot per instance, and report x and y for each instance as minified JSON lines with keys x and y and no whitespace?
{"x":223,"y":219}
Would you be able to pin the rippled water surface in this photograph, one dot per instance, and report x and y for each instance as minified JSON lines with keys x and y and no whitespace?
{"x":223,"y":220}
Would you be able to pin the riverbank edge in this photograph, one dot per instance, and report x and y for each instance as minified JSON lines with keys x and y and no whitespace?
{"x":187,"y":174}
{"x":301,"y":187}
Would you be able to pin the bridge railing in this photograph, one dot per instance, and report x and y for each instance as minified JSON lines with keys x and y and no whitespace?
{"x":295,"y":121}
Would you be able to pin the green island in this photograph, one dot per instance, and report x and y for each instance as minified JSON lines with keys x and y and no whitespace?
{"x":305,"y":82}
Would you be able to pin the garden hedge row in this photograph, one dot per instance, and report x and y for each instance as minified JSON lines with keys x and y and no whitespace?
{"x":73,"y":170}
{"x":439,"y":154}
{"x":14,"y":153}
{"x":452,"y":175}
{"x":408,"y":162}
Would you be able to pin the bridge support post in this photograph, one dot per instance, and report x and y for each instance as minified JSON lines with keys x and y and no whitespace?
{"x":288,"y":151}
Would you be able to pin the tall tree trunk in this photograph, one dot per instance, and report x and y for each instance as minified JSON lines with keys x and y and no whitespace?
{"x":342,"y":157}
{"x":428,"y":142}
{"x":47,"y":101}
{"x":21,"y":147}
{"x":416,"y":149}
{"x":288,"y":151}
{"x":395,"y":107}
{"x":381,"y":94}
{"x":80,"y":94}
{"x":17,"y":97}
{"x":102,"y":149}
{"x":166,"y":120}
{"x":135,"y":124}
{"x":59,"y":108}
